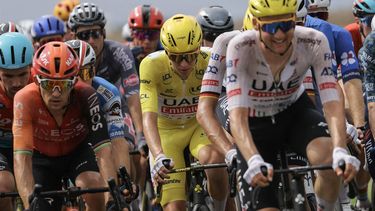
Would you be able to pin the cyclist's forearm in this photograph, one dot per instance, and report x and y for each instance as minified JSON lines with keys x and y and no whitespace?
{"x":208,"y":120}
{"x":371,"y":113}
{"x":151,"y":133}
{"x":24,"y":176}
{"x":135,"y":112}
{"x":120,"y":151}
{"x":335,"y":116}
{"x":239,"y":126}
{"x":353,"y":90}
{"x":105,"y":163}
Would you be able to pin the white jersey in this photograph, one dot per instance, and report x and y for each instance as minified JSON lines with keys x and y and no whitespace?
{"x":215,"y":72}
{"x":250,"y":80}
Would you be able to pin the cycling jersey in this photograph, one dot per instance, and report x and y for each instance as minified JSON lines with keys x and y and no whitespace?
{"x":255,"y":88}
{"x":216,"y":69}
{"x":6,"y":118}
{"x":34,"y":127}
{"x":110,"y":103}
{"x":162,"y":90}
{"x":353,"y":29}
{"x":367,"y":60}
{"x":175,"y":101}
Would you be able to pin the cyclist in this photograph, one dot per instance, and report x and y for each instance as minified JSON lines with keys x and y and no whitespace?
{"x":57,"y":127}
{"x":268,"y":101}
{"x":47,"y":28}
{"x":109,"y":101}
{"x":114,"y":62}
{"x":27,"y":25}
{"x":169,"y":103}
{"x":351,"y":78}
{"x":214,"y":20}
{"x":14,"y":75}
{"x":9,"y":27}
{"x":145,"y":22}
{"x":62,"y":11}
{"x":126,"y":35}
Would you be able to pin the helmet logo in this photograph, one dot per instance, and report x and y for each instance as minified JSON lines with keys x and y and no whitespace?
{"x":70,"y":60}
{"x":43,"y":58}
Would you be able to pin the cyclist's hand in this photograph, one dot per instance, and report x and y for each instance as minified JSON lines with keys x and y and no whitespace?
{"x":229,"y":156}
{"x":161,"y":168}
{"x":142,"y":145}
{"x":253,"y":174}
{"x":129,"y":197}
{"x":351,"y":162}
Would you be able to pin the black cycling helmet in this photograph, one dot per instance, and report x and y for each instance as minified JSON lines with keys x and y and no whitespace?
{"x":86,"y":14}
{"x":214,"y":21}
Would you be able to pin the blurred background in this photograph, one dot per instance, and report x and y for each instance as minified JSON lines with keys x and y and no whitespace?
{"x":117,"y":11}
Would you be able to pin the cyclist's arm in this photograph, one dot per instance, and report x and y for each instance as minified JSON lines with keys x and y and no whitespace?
{"x":368,"y":65}
{"x":135,"y":112}
{"x":152,"y":133}
{"x":207,"y":118}
{"x":354,"y":94}
{"x":23,"y":146}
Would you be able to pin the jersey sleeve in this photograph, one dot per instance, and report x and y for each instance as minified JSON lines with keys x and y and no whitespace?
{"x":148,"y":87}
{"x":22,"y":123}
{"x":367,"y":57}
{"x":322,"y":67}
{"x":215,"y":72}
{"x":237,"y":68}
{"x":345,"y":56}
{"x":98,"y":133}
{"x":308,"y":83}
{"x":129,"y":77}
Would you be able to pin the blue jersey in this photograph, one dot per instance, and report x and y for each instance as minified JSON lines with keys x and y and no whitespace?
{"x":110,"y":104}
{"x":345,"y":56}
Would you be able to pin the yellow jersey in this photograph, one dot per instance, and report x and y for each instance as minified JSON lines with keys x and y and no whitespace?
{"x":164,"y":92}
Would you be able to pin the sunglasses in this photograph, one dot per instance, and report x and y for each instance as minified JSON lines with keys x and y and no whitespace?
{"x":272,"y":27}
{"x":146,"y":34}
{"x":52,"y":84}
{"x":87,"y":73}
{"x":44,"y":41}
{"x":188,"y":57}
{"x":85,"y":35}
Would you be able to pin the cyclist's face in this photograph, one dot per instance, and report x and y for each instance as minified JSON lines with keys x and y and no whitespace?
{"x":147,"y":39}
{"x":276,"y":31}
{"x":94,"y":35}
{"x":55,"y":100}
{"x":14,"y":80}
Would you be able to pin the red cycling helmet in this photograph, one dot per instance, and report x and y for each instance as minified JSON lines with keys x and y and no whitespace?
{"x":145,"y":17}
{"x":56,"y":60}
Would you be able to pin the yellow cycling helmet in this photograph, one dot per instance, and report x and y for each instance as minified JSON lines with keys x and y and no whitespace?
{"x":247,"y":21}
{"x":181,"y":34}
{"x":63,"y":9}
{"x":262,"y":8}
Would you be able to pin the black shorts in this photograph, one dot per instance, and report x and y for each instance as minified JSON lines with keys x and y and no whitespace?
{"x":49,"y":171}
{"x":6,"y":159}
{"x":294,"y":128}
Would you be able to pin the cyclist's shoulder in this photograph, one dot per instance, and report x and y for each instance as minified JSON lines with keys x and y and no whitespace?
{"x":28,"y":93}
{"x":224,"y":38}
{"x":352,"y":27}
{"x":155,"y":59}
{"x":318,"y":24}
{"x":103,"y":86}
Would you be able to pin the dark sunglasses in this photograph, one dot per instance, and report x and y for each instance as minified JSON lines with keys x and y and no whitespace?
{"x":146,"y":34}
{"x":272,"y":27}
{"x":85,"y":35}
{"x":211,"y":36}
{"x":188,"y":57}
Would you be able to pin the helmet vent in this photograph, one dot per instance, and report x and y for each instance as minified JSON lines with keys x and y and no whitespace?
{"x":69,"y":71}
{"x":57,"y":65}
{"x":41,"y":27}
{"x":49,"y":24}
{"x":45,"y":70}
{"x":23,"y":55}
{"x":146,"y":14}
{"x":2,"y":57}
{"x":12,"y":53}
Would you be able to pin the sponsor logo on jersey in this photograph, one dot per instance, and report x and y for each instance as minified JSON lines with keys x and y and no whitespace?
{"x":115,"y":109}
{"x":348,"y":58}
{"x":232,"y":62}
{"x":42,"y":121}
{"x":328,"y":56}
{"x":145,"y":81}
{"x":94,"y":109}
{"x":309,"y":41}
{"x":327,"y":71}
{"x":179,"y":105}
{"x":217,"y":57}
{"x":212,"y":69}
{"x":204,"y":54}
{"x":199,"y":74}
{"x":328,"y":85}
{"x":195,"y":90}
{"x":210,"y":83}
{"x":62,"y":134}
{"x":132,"y":80}
{"x":261,"y":85}
{"x":232,"y":78}
{"x":248,"y":42}
{"x":107,"y":94}
{"x":167,"y":78}
{"x":144,"y":96}
{"x":121,"y":56}
{"x":234,"y":92}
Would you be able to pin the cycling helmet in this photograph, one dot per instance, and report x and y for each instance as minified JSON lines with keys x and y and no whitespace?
{"x":247,"y":21}
{"x":373,"y":24}
{"x":181,"y":34}
{"x":85,"y":52}
{"x":63,"y":9}
{"x":362,"y":8}
{"x":9,"y":27}
{"x":47,"y":25}
{"x":301,"y":9}
{"x":215,"y":19}
{"x":314,"y":4}
{"x":126,"y":33}
{"x":145,"y":17}
{"x":262,"y":8}
{"x":55,"y":60}
{"x":27,"y":26}
{"x":16,"y":50}
{"x":86,"y":14}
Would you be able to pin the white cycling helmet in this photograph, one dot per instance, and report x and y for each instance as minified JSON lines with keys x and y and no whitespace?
{"x":84,"y":51}
{"x":373,"y":24}
{"x":317,"y":4}
{"x":301,"y":9}
{"x":126,"y":33}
